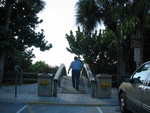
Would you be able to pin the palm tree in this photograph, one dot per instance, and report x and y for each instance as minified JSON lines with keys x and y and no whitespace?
{"x":91,"y":12}
{"x":87,"y":14}
{"x":116,"y":14}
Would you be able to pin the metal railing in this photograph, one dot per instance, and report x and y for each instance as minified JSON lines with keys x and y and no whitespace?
{"x":57,"y":78}
{"x":91,"y":79}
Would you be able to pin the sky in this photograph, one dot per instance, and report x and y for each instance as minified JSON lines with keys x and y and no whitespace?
{"x":58,"y":19}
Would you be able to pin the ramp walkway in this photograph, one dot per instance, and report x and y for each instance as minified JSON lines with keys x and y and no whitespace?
{"x":66,"y":86}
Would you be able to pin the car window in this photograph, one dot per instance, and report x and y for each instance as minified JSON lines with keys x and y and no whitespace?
{"x":141,"y":74}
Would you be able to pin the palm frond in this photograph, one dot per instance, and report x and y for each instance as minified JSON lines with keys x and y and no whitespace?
{"x":87,"y":14}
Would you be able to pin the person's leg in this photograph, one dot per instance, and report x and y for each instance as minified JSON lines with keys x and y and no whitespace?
{"x":77,"y":79}
{"x":73,"y":78}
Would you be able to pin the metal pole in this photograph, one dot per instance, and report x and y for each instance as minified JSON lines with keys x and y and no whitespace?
{"x":137,"y":65}
{"x":16,"y":74}
{"x":21,"y":75}
{"x":16,"y":84}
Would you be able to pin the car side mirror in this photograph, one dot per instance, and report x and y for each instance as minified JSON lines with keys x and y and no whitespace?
{"x":148,"y":83}
{"x":131,"y":81}
{"x":126,"y":78}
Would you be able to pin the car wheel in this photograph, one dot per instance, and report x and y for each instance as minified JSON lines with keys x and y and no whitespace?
{"x":122,"y":102}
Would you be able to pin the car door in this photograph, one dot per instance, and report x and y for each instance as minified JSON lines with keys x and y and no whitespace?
{"x":146,"y":96}
{"x":135,"y":94}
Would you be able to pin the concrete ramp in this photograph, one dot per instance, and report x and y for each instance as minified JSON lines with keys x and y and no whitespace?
{"x":66,"y":86}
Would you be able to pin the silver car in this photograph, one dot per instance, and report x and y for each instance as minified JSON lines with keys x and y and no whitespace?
{"x":134,"y":94}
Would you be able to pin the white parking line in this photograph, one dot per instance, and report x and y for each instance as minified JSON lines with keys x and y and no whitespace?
{"x":30,"y":109}
{"x":99,"y":109}
{"x":21,"y":109}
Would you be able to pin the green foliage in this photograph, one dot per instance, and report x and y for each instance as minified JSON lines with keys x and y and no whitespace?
{"x":42,"y":67}
{"x":98,"y":50}
{"x":22,"y":29}
{"x":75,"y":42}
{"x":30,"y":71}
{"x":123,"y":18}
{"x":23,"y":59}
{"x":87,"y":14}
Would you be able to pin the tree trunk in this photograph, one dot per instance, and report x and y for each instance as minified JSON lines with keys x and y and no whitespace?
{"x":6,"y":28}
{"x":120,"y":70}
{"x":119,"y":61}
{"x":2,"y":59}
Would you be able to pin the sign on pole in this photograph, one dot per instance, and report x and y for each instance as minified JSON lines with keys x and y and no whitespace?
{"x":137,"y":44}
{"x":137,"y":54}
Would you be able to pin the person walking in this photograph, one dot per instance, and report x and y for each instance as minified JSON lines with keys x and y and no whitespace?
{"x":76,"y":66}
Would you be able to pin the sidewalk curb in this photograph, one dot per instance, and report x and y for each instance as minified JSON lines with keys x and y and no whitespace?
{"x":71,"y":104}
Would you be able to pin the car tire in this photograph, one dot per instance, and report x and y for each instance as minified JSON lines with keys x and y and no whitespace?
{"x":122,"y":103}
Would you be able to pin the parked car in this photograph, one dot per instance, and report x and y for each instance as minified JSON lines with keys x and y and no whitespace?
{"x":134,"y":94}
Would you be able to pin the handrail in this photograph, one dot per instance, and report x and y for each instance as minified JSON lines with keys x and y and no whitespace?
{"x":91,"y":79}
{"x":57,"y":78}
